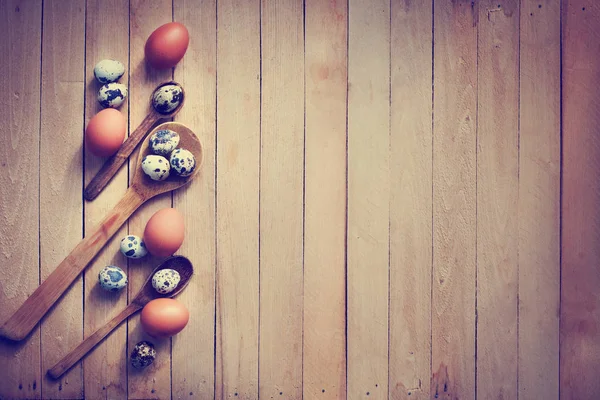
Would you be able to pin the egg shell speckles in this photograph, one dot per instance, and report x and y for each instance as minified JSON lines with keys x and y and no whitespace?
{"x":167,"y":98}
{"x":133,"y":246}
{"x":112,"y":95}
{"x":164,"y":141}
{"x":107,"y":71}
{"x":143,"y":354}
{"x":156,"y":167}
{"x":183,"y":162}
{"x":112,"y":278}
{"x":165,"y":280}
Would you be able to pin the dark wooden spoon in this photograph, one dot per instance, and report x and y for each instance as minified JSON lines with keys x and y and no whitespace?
{"x":112,"y":165}
{"x":145,"y":295}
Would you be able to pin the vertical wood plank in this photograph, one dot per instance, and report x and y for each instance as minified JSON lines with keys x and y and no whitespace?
{"x":410,"y":199}
{"x":368,"y":198}
{"x":238,"y":157}
{"x":61,"y":162}
{"x":326,"y":78}
{"x":145,"y":16}
{"x":193,"y":377}
{"x":539,"y":200}
{"x":105,"y":368}
{"x":21,"y":30}
{"x":454,"y":196}
{"x":580,"y":276}
{"x":497,"y":198}
{"x":281,"y":199}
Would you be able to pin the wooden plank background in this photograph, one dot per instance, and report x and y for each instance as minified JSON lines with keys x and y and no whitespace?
{"x":398,"y":198}
{"x":410,"y":200}
{"x":326,"y":92}
{"x":368,"y":191}
{"x":105,"y":370}
{"x":497,"y":199}
{"x":60,"y":183}
{"x":579,"y":306}
{"x":237,"y":207}
{"x":539,"y":202}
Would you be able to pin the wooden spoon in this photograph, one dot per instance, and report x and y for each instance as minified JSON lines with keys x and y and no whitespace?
{"x":18,"y":326}
{"x":145,"y":295}
{"x":112,"y":165}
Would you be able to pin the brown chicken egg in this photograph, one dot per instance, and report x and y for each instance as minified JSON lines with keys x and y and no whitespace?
{"x":164,"y":232}
{"x":105,"y":132}
{"x":164,"y":317}
{"x":167,"y":45}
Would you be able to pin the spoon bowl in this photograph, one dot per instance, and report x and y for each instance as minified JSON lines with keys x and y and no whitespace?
{"x":187,"y":140}
{"x":176,"y":109}
{"x":146,"y":294}
{"x":182,"y":265}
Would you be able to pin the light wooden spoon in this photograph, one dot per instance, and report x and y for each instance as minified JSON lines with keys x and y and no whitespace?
{"x":145,"y":295}
{"x":20,"y":324}
{"x":112,"y":165}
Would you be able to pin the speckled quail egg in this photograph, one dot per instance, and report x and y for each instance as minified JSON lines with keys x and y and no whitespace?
{"x":112,"y":278}
{"x":133,"y":246}
{"x":167,"y":98}
{"x":107,"y":71}
{"x":164,"y":141}
{"x":143,"y":354}
{"x":183,"y":162}
{"x":112,"y":95}
{"x":165,"y":280}
{"x":156,"y":167}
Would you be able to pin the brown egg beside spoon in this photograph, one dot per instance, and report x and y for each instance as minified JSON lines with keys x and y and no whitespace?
{"x":158,"y":111}
{"x":147,"y":293}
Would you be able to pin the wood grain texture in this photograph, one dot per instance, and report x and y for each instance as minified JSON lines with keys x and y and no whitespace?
{"x":539,"y":200}
{"x":145,"y":16}
{"x":368,"y":198}
{"x":61,"y":161}
{"x":21,"y":28}
{"x":90,"y":341}
{"x":193,"y":377}
{"x":105,"y":369}
{"x":454,"y":197}
{"x":238,"y":155}
{"x":497,"y":198}
{"x":326,"y":78}
{"x":410,"y":200}
{"x":281,"y":199}
{"x":580,"y":276}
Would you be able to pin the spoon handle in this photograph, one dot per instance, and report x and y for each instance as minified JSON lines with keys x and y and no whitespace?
{"x":112,"y":165}
{"x":18,"y":326}
{"x":90,"y":342}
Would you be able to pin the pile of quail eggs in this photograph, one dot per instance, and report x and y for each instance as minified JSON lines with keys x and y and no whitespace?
{"x":166,"y":157}
{"x":112,"y":94}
